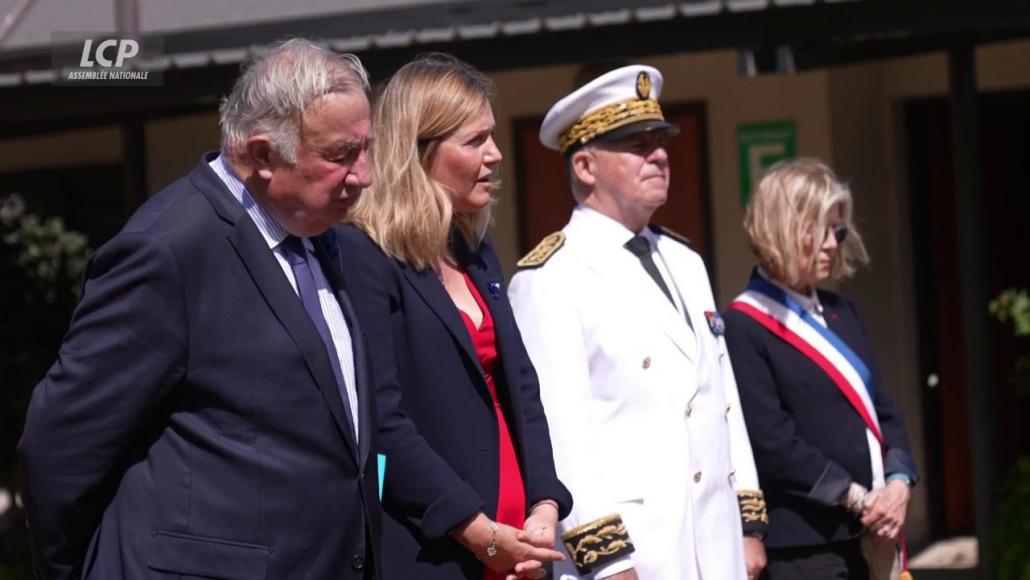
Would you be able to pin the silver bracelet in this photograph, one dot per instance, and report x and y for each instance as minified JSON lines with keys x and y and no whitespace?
{"x":491,"y":550}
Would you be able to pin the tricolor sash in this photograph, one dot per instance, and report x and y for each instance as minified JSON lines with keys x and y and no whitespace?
{"x":786,"y":319}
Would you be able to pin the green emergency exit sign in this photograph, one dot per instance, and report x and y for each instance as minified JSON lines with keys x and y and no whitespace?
{"x":759,"y":146}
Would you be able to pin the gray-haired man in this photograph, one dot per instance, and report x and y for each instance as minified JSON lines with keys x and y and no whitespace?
{"x":209,"y":414}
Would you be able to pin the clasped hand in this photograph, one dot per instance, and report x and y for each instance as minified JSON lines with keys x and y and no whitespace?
{"x":883,"y":512}
{"x":520,"y":553}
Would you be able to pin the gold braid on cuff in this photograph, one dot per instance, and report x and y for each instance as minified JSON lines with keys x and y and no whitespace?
{"x":597,"y":543}
{"x":608,"y":118}
{"x":752,"y":506}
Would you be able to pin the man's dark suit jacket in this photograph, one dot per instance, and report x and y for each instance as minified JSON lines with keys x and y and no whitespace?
{"x":809,"y":443}
{"x":445,"y":469}
{"x":192,"y":426}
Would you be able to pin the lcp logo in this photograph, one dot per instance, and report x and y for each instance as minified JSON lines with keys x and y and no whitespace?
{"x":127,"y":48}
{"x":105,"y":60}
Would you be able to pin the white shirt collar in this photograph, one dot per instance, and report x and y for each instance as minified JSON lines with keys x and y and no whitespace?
{"x":651,"y":236}
{"x":809,"y":302}
{"x":605,"y":230}
{"x":270,"y":230}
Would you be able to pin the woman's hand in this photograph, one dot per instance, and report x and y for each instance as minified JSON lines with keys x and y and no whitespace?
{"x":512,"y":554}
{"x":885,"y":509}
{"x":539,"y":529}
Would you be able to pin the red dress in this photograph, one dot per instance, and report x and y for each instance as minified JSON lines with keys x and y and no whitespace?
{"x":511,"y":495}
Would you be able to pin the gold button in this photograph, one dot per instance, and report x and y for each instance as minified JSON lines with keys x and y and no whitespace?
{"x":697,"y":477}
{"x":647,"y":363}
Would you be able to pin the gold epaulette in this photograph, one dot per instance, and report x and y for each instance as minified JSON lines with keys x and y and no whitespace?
{"x":674,"y":235}
{"x":597,"y":543}
{"x":543,"y":251}
{"x":752,"y":506}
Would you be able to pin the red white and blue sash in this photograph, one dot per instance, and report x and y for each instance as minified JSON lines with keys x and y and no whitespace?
{"x":786,"y":319}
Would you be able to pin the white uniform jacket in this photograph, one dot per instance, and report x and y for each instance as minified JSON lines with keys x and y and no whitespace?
{"x":644,"y":413}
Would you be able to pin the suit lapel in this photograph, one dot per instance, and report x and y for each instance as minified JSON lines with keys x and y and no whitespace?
{"x":331,"y":268}
{"x":273,"y":285}
{"x":637,"y":291}
{"x":275,"y":288}
{"x":681,"y":284}
{"x":432,"y":292}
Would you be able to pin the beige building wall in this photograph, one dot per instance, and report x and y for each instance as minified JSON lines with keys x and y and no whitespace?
{"x":174,"y":146}
{"x":61,"y":149}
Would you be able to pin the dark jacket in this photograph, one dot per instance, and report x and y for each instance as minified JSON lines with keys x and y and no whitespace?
{"x":438,"y":427}
{"x":191,"y":425}
{"x":809,"y":443}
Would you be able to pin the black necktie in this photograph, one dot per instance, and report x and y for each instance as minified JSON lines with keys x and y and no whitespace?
{"x":641,"y":248}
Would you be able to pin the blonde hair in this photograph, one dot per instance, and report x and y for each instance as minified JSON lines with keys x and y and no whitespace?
{"x":792,"y":200}
{"x":405,"y":211}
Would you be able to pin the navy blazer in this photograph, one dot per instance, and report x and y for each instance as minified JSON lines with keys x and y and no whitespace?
{"x":438,"y":427}
{"x":191,"y":425}
{"x":809,"y":443}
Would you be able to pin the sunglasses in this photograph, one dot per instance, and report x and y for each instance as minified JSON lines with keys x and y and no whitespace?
{"x":840,"y":233}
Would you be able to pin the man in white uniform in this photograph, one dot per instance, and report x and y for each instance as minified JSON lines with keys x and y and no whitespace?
{"x":619,"y":320}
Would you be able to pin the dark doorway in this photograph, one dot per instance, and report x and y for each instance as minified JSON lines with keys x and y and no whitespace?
{"x":1004,"y":124}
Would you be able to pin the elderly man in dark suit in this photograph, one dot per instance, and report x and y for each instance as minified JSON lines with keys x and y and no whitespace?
{"x":210,"y":413}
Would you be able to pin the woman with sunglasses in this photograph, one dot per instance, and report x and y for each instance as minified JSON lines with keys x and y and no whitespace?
{"x":829,"y":443}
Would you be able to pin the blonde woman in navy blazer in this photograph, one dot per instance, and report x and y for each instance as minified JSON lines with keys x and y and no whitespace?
{"x":470,"y":486}
{"x":824,"y":485}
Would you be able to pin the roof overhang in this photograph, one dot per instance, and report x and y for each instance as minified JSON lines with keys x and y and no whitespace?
{"x":202,"y":63}
{"x":193,"y":40}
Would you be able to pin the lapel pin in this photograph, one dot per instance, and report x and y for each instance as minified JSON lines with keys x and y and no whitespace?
{"x":495,"y":289}
{"x":715,"y":322}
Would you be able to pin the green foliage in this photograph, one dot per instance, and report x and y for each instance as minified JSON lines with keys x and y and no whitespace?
{"x":1012,"y":522}
{"x":1013,"y":305}
{"x":41,"y":265}
{"x":14,"y":555}
{"x":1012,"y":530}
{"x":41,"y":269}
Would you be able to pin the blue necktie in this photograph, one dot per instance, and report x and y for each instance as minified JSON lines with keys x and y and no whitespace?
{"x":296,"y":255}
